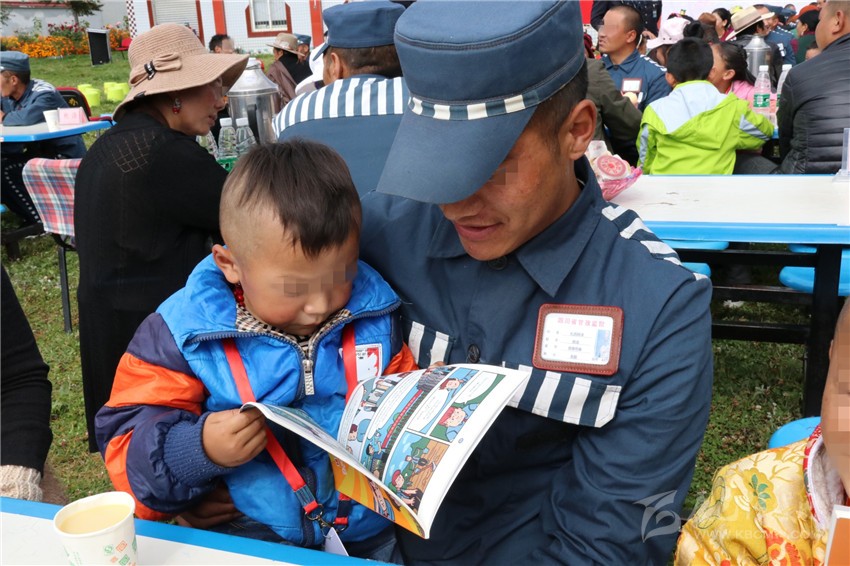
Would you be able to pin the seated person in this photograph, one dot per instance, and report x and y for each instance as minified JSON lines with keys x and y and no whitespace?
{"x":730,"y":73}
{"x":696,"y":130}
{"x":25,"y":412}
{"x":779,"y":502}
{"x":359,"y":62}
{"x":620,"y":37}
{"x":281,"y":291}
{"x":23,"y":103}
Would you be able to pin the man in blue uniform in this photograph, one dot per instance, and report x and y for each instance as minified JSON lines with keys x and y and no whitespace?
{"x":358,"y":111}
{"x":619,"y":37}
{"x":776,"y":34}
{"x":23,"y":103}
{"x":489,"y":223}
{"x":650,"y":12}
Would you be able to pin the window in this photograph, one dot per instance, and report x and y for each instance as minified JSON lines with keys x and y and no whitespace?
{"x":268,"y":15}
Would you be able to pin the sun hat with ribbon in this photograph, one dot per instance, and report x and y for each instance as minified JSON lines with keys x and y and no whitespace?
{"x":474,"y":88}
{"x":170,"y":58}
{"x":285,"y":41}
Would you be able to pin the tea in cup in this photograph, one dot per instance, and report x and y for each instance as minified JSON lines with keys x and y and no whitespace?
{"x":99,"y":530}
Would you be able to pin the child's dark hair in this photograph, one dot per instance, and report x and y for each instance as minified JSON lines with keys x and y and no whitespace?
{"x":735,"y":58}
{"x":690,"y":59}
{"x":305,"y":184}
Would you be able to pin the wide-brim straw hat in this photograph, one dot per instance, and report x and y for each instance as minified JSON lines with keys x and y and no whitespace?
{"x":285,"y":41}
{"x":742,"y":19}
{"x":170,"y":58}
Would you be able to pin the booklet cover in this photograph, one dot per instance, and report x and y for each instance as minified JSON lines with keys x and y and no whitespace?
{"x":838,"y":543}
{"x":404,"y":437}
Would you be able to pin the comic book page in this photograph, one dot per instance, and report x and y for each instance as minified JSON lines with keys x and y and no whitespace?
{"x":414,"y":431}
{"x":404,"y":437}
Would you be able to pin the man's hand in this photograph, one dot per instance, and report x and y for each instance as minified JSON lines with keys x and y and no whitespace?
{"x":233,"y":437}
{"x":215,"y":508}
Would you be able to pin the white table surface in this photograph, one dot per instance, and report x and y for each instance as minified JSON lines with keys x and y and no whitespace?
{"x":38,"y":132}
{"x":27,"y":538}
{"x":744,"y":208}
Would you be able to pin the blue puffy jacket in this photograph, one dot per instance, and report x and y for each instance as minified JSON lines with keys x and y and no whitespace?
{"x":175,"y":372}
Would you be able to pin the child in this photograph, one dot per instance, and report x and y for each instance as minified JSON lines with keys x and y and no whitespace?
{"x":281,"y":291}
{"x":695,"y":130}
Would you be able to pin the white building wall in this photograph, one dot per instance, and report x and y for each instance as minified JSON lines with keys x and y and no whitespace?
{"x":23,"y":19}
{"x":299,"y":11}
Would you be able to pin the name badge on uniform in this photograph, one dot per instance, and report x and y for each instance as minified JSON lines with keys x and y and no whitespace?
{"x":579,"y":338}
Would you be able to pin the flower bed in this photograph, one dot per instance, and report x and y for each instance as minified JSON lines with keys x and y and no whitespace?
{"x":63,"y":39}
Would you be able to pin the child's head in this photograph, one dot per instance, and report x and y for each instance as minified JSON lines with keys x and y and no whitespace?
{"x":290,"y":217}
{"x":690,"y":59}
{"x":730,"y":64}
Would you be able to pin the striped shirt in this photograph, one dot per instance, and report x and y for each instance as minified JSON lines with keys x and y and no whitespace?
{"x":360,"y":95}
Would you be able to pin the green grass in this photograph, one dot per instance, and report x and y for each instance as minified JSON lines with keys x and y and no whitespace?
{"x":757,"y":386}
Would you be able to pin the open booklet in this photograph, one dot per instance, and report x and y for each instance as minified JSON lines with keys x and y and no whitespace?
{"x":838,"y":543}
{"x":404,"y":437}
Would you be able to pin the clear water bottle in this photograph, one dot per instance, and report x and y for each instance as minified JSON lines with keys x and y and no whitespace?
{"x":208,"y":143}
{"x":761,"y":93}
{"x":227,"y":139}
{"x":244,"y":136}
{"x":785,"y":68}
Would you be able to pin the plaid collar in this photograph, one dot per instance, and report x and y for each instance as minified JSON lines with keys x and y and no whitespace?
{"x":247,"y":322}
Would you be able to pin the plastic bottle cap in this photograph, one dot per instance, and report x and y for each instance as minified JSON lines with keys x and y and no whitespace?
{"x":763,"y":68}
{"x":241,"y":122}
{"x":226,"y":122}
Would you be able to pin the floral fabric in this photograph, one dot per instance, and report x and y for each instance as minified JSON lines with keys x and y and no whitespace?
{"x":758,"y":512}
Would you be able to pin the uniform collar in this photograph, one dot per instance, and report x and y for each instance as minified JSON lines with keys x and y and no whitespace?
{"x":550,"y":256}
{"x":627,"y":63}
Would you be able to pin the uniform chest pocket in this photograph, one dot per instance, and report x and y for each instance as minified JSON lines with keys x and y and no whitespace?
{"x":428,"y":346}
{"x":585,"y":400}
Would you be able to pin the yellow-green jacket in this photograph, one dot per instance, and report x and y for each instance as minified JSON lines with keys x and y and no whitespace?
{"x":696,"y":131}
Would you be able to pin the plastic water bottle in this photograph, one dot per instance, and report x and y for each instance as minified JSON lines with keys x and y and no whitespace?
{"x":785,"y":68}
{"x":244,"y":136}
{"x":761,"y":93}
{"x":208,"y":143}
{"x":227,"y":139}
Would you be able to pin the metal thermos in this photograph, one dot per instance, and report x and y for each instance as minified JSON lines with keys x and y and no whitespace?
{"x":255,"y":97}
{"x":758,"y":54}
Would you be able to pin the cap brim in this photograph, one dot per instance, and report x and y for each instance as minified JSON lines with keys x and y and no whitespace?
{"x":196,"y":70}
{"x":445,"y":161}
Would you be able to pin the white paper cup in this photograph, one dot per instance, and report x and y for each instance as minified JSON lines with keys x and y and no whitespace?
{"x":95,"y":530}
{"x":52,"y":119}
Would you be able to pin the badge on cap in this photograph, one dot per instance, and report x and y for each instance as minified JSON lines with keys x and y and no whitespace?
{"x":579,"y":338}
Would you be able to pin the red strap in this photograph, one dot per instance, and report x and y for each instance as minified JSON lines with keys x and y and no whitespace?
{"x":243,"y":386}
{"x":349,"y":358}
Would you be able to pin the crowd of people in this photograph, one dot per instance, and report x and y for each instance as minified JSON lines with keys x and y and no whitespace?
{"x":434,"y":197}
{"x":809,"y":110}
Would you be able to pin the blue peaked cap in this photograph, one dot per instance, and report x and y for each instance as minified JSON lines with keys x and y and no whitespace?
{"x":361,"y":24}
{"x":14,"y":61}
{"x":476,"y":71}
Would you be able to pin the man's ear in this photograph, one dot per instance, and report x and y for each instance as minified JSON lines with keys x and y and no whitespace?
{"x":668,"y":76}
{"x":336,"y":69}
{"x":223,"y":258}
{"x":577,"y":130}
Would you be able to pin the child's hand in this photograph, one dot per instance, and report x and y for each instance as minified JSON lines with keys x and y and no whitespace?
{"x":234,"y":437}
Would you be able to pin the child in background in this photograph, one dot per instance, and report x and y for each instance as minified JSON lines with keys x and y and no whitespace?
{"x":695,"y":130}
{"x":281,"y":292}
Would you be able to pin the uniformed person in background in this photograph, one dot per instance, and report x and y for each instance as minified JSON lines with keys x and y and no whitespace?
{"x":490,"y":224}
